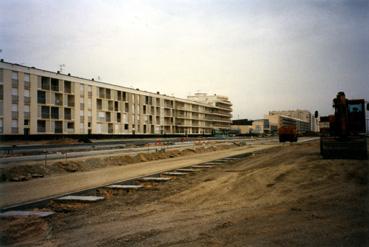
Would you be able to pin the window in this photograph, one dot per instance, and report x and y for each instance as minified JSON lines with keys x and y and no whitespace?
{"x":41,"y":97}
{"x":1,"y":76}
{"x":119,"y":117}
{"x":54,"y":84}
{"x":45,"y":111}
{"x":81,"y":127}
{"x":58,"y":127}
{"x":26,"y":108}
{"x":1,"y":92}
{"x":55,"y":112}
{"x":58,"y":99}
{"x":101,"y":92}
{"x":41,"y":126}
{"x":126,"y":107}
{"x":14,"y":107}
{"x":14,"y":75}
{"x":101,"y":116}
{"x":26,"y":121}
{"x":89,"y":90}
{"x":70,"y":125}
{"x":14,"y":123}
{"x":89,"y":102}
{"x":67,"y":87}
{"x":70,"y":100}
{"x":99,"y":104}
{"x":45,"y":83}
{"x":15,"y":91}
{"x":81,"y":113}
{"x":26,"y":93}
{"x":81,"y":89}
{"x":67,"y":114}
{"x":1,"y":125}
{"x":26,"y":77}
{"x":126,"y":126}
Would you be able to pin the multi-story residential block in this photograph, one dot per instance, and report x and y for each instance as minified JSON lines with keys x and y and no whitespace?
{"x":303,"y":115}
{"x":276,"y":121}
{"x":35,"y":101}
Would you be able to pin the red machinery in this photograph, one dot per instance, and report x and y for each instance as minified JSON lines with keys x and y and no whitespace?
{"x":287,"y":133}
{"x":348,"y":130}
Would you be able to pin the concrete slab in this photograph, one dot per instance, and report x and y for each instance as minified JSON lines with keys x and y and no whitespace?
{"x":125,"y":186}
{"x":81,"y":198}
{"x":213,"y":163}
{"x":230,"y":158}
{"x":187,"y":170}
{"x":40,"y":214}
{"x":155,"y":179}
{"x":202,"y":166}
{"x":175,"y":173}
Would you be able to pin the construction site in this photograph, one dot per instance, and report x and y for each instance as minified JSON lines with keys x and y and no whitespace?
{"x":184,"y":123}
{"x":279,"y":184}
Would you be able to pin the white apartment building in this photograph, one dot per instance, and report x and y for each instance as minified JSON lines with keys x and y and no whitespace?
{"x":39,"y":102}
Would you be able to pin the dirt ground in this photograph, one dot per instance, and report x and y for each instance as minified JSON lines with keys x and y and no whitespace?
{"x":285,"y":196}
{"x":32,"y":170}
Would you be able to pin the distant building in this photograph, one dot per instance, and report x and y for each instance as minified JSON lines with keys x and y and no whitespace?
{"x":39,"y":102}
{"x":246,"y":126}
{"x":242,"y":126}
{"x":303,"y":115}
{"x":261,"y":126}
{"x":276,"y":121}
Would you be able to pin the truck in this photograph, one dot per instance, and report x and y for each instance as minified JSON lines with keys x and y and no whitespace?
{"x":287,"y":133}
{"x":348,"y":133}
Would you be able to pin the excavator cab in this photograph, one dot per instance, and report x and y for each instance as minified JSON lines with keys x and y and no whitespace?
{"x":348,"y":130}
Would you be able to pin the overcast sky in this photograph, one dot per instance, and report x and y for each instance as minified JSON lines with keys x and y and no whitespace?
{"x":264,"y":55}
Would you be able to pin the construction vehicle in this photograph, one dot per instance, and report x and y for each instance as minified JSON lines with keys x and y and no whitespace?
{"x":347,"y":137}
{"x":287,"y":133}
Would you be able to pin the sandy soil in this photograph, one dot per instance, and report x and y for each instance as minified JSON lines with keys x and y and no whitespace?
{"x":285,"y":196}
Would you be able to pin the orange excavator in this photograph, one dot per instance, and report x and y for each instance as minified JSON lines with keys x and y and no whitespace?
{"x":348,"y":133}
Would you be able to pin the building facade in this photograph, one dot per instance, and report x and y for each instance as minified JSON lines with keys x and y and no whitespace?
{"x":35,"y":102}
{"x":276,"y":121}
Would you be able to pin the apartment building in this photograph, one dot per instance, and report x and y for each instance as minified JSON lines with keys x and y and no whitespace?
{"x":303,"y":115}
{"x":278,"y":120}
{"x":35,"y":101}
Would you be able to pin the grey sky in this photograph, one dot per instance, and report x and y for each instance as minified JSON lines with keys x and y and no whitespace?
{"x":264,"y":55}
